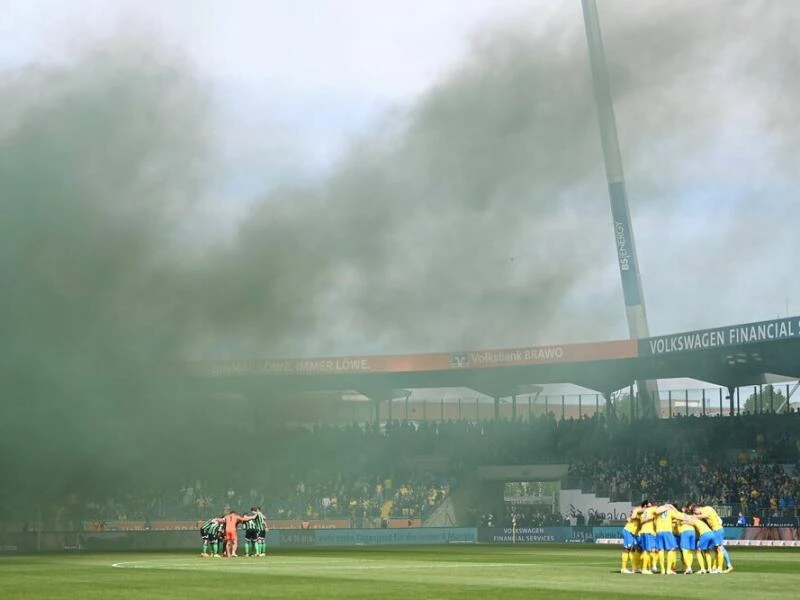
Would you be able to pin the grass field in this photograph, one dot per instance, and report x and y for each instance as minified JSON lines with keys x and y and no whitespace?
{"x":457,"y":572}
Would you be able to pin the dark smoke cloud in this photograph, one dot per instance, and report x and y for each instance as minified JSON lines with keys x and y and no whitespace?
{"x":480,"y":217}
{"x":477,"y":216}
{"x":101,"y":159}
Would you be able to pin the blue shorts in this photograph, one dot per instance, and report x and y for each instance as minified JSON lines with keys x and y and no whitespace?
{"x":629,"y":541}
{"x":649,"y":543}
{"x":707,"y":541}
{"x":719,"y":536}
{"x":666,"y":540}
{"x":688,"y":540}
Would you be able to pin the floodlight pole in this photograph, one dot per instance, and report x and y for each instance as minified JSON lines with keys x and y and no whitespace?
{"x":620,"y":211}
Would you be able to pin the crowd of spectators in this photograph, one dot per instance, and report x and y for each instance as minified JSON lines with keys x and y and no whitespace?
{"x":366,"y":473}
{"x":749,"y":463}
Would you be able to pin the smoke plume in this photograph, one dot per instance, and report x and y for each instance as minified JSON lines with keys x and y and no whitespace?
{"x":476,"y":216}
{"x":479,"y":216}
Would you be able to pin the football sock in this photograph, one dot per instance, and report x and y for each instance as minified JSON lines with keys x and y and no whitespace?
{"x":727,"y":556}
{"x":672,"y":560}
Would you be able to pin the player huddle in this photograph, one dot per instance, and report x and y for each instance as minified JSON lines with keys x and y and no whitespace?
{"x":653,"y":534}
{"x":220,"y":534}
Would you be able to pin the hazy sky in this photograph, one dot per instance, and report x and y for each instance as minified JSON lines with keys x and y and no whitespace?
{"x":294,"y":86}
{"x":294,"y":80}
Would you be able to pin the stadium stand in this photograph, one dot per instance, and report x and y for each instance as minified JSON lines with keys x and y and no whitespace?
{"x":368,"y":474}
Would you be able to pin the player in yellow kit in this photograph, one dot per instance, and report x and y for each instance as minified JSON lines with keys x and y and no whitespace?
{"x":685,"y":537}
{"x":687,"y":541}
{"x":710,"y":516}
{"x":647,"y":536}
{"x":706,"y":542}
{"x":630,"y":544}
{"x":667,"y":544}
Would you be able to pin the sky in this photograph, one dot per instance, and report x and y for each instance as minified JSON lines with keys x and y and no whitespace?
{"x":304,"y":99}
{"x":312,"y":73}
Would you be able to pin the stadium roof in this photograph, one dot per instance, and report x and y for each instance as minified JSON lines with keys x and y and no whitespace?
{"x":730,"y":356}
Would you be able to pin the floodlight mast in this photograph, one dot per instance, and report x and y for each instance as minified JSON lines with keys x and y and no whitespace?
{"x":620,"y":211}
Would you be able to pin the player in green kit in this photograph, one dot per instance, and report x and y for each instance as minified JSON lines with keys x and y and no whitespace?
{"x":261,"y":540}
{"x":209,"y":532}
{"x":255,"y":533}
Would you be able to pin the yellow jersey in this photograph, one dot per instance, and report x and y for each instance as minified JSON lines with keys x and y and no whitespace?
{"x":700,"y":526}
{"x":664,"y":521}
{"x":680,"y":525}
{"x":711,"y":517}
{"x":633,"y":524}
{"x":648,"y":525}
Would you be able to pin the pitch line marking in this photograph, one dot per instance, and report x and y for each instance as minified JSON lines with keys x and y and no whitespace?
{"x":342,"y":565}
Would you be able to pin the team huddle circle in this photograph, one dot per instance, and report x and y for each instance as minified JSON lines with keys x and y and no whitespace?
{"x":654,"y":533}
{"x":221,"y":539}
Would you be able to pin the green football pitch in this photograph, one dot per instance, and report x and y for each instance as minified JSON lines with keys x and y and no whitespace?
{"x":458,"y":572}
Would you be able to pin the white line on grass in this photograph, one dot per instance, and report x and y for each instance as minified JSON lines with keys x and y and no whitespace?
{"x":325,"y":564}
